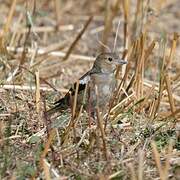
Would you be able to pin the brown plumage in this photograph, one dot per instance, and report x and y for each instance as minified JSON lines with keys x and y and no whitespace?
{"x":99,"y":80}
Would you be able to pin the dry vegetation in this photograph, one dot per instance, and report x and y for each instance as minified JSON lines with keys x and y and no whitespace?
{"x":45,"y":46}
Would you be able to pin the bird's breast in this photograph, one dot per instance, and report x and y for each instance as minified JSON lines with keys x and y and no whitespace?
{"x":105,"y":83}
{"x":102,"y":78}
{"x":106,"y":89}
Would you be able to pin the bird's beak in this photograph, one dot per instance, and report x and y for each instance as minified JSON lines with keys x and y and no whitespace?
{"x":120,"y":62}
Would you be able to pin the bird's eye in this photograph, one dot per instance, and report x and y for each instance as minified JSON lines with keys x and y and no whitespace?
{"x":110,"y":59}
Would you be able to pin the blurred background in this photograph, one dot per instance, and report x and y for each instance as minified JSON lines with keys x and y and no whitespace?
{"x":48,"y":26}
{"x":45,"y":46}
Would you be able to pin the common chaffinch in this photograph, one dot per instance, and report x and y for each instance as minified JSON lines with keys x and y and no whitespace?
{"x":95,"y":88}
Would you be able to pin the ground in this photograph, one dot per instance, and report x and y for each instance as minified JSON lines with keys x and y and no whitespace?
{"x":45,"y":46}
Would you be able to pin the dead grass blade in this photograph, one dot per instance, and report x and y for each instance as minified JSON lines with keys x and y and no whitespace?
{"x":126,"y":23}
{"x":141,"y":165}
{"x":15,"y":35}
{"x":37,"y":92}
{"x":100,"y":126}
{"x":115,"y":40}
{"x":172,"y":115}
{"x":139,"y":72}
{"x":169,"y":90}
{"x":148,"y":52}
{"x":46,"y":169}
{"x":75,"y":114}
{"x":172,"y":52}
{"x":167,"y":164}
{"x":162,"y":57}
{"x":112,"y":8}
{"x":157,"y":160}
{"x":57,"y":11}
{"x":75,"y":100}
{"x":6,"y":27}
{"x":132,"y":171}
{"x":163,"y":171}
{"x":145,"y":101}
{"x":47,"y":145}
{"x":10,"y":16}
{"x":137,"y":24}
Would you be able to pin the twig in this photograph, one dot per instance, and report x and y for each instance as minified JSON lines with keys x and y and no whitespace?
{"x":77,"y":39}
{"x":54,"y":53}
{"x":41,"y":79}
{"x":29,"y":88}
{"x":44,"y":29}
{"x":47,"y":50}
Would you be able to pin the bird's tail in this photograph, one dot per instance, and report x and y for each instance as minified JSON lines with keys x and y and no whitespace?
{"x":60,"y":105}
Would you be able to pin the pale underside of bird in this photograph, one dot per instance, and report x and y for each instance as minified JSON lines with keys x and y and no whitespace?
{"x":95,"y":88}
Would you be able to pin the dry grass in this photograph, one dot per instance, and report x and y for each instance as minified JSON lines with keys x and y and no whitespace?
{"x":138,"y":138}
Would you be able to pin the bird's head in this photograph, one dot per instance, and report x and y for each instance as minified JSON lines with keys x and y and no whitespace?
{"x":108,"y":62}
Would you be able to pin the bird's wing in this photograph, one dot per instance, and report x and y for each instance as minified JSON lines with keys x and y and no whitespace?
{"x":83,"y":81}
{"x":64,"y":102}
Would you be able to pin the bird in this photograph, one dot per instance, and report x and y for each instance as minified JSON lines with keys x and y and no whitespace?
{"x":95,"y":88}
